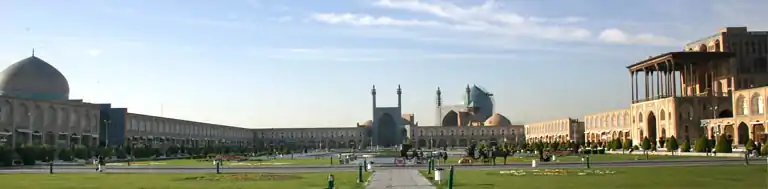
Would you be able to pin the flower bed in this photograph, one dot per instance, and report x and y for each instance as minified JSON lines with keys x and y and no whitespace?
{"x":555,"y":172}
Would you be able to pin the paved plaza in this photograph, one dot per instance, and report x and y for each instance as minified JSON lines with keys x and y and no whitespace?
{"x":398,"y":179}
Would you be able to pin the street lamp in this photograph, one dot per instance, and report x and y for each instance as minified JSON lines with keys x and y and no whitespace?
{"x":31,"y":123}
{"x":106,"y":132}
{"x":714,"y":111}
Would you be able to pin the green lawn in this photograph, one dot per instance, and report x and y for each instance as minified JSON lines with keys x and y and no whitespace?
{"x":693,"y":177}
{"x":593,"y":158}
{"x":181,"y":181}
{"x":280,"y":161}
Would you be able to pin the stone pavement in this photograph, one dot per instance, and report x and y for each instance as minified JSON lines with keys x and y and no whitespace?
{"x":398,"y":179}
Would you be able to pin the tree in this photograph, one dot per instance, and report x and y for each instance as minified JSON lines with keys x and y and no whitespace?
{"x":686,"y":147}
{"x":701,"y":144}
{"x":65,"y":154}
{"x":627,"y":144}
{"x":671,"y":144}
{"x":722,"y":145}
{"x":646,"y":145}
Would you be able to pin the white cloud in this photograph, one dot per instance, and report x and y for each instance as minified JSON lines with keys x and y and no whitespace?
{"x":486,"y":20}
{"x":367,"y":20}
{"x":335,"y":54}
{"x":94,"y":52}
{"x":284,"y":19}
{"x":613,"y":35}
{"x":488,"y":17}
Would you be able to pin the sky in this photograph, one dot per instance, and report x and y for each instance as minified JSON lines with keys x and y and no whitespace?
{"x":262,"y":64}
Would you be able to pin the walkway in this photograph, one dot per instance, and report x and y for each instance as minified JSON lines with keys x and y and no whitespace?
{"x":398,"y":179}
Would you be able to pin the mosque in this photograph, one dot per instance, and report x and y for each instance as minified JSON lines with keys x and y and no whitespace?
{"x":35,"y":108}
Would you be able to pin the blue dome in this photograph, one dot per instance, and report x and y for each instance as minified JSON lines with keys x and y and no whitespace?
{"x":480,"y":99}
{"x":33,"y":78}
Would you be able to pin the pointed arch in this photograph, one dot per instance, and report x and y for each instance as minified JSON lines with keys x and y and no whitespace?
{"x":651,"y":126}
{"x":741,"y":105}
{"x":756,"y":104}
{"x":717,"y":46}
{"x":450,"y":119}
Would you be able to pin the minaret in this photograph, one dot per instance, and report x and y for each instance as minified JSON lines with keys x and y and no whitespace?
{"x":467,"y":100}
{"x":399,"y":97}
{"x":438,"y":121}
{"x":373,"y":94}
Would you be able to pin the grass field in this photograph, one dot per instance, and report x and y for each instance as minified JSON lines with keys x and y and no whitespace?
{"x":279,"y":161}
{"x":695,"y":177}
{"x":346,"y":180}
{"x":593,"y":158}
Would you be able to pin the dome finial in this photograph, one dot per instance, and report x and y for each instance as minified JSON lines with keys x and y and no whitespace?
{"x":33,"y":52}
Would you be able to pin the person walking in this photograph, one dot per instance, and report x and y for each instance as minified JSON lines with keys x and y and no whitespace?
{"x":102,"y":164}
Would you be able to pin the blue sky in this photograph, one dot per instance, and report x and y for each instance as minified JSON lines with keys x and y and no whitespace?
{"x":259,"y":63}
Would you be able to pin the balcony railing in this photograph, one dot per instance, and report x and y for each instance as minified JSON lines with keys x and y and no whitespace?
{"x":704,"y":94}
{"x":715,"y":122}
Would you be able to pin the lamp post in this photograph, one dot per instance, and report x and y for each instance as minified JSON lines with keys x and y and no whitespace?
{"x":31,"y":123}
{"x":107,"y":123}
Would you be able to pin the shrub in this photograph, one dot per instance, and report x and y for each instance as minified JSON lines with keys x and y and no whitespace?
{"x":616,"y":144}
{"x":764,"y":151}
{"x":65,"y":154}
{"x":6,"y":156}
{"x":80,"y":152}
{"x":106,"y":152}
{"x":627,"y":144}
{"x":722,"y":145}
{"x":120,"y":153}
{"x":701,"y":144}
{"x":686,"y":147}
{"x":646,"y":145}
{"x":27,"y":154}
{"x":671,"y":144}
{"x":750,"y":144}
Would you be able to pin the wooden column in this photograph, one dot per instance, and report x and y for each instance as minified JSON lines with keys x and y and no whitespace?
{"x":669,"y":79}
{"x":683,"y":79}
{"x":657,"y":73}
{"x":637,"y":87}
{"x":632,"y":85}
{"x":695,"y":74}
{"x":647,"y":93}
{"x":674,"y":78}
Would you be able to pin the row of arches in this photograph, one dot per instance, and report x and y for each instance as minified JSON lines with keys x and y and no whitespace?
{"x":43,"y":117}
{"x":740,"y":134}
{"x":754,"y":106}
{"x":550,"y":138}
{"x":607,"y":136}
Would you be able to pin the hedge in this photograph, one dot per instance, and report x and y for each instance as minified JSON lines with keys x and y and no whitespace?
{"x":723,"y":145}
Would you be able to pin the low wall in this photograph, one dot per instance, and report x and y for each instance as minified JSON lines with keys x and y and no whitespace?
{"x":637,"y":152}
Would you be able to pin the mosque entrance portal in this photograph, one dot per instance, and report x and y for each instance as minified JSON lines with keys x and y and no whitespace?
{"x":387,"y":130}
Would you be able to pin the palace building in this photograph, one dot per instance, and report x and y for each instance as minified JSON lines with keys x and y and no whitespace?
{"x":694,"y":92}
